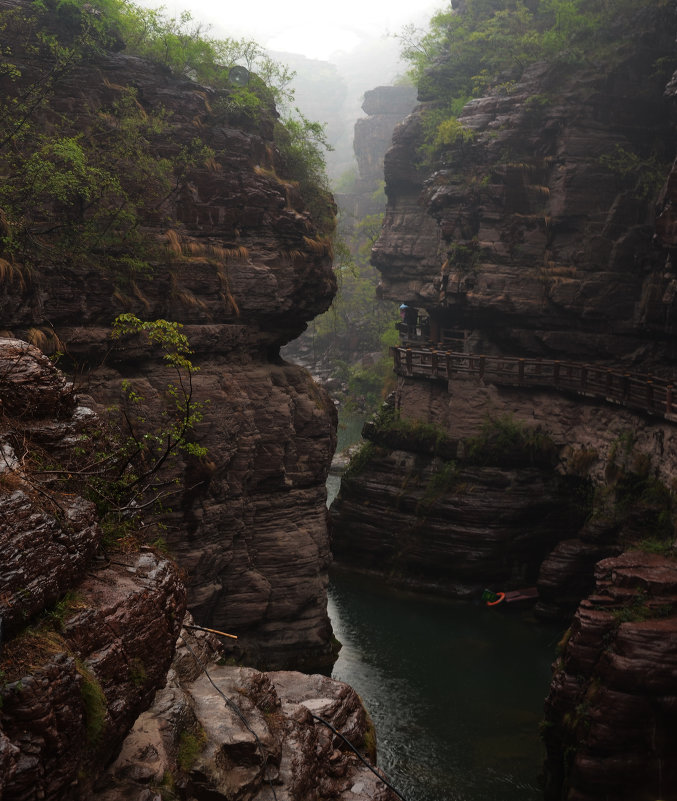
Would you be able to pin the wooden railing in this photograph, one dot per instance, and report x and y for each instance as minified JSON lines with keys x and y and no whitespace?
{"x":640,"y":392}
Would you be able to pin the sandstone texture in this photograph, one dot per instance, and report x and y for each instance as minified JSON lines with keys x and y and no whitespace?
{"x":610,"y":715}
{"x":245,"y":268}
{"x":223,"y":732}
{"x":85,"y":640}
{"x":527,"y":238}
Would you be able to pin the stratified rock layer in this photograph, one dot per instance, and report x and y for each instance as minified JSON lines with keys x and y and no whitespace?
{"x":537,"y":234}
{"x":610,"y":719}
{"x":528,"y":238}
{"x":244,"y":270}
{"x":84,"y":642}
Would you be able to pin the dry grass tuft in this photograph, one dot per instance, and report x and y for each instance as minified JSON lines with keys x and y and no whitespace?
{"x":46,"y":339}
{"x":204,"y":100}
{"x":540,"y":190}
{"x":138,"y":294}
{"x":320,"y":247}
{"x":124,"y":300}
{"x":11,"y":273}
{"x":226,"y":293}
{"x":110,"y":85}
{"x":174,"y":243}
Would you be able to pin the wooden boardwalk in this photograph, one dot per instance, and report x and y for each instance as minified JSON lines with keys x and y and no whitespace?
{"x":641,"y":393}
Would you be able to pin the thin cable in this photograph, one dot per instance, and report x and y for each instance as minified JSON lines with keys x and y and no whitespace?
{"x":350,"y":745}
{"x":264,"y":754}
{"x":237,"y":711}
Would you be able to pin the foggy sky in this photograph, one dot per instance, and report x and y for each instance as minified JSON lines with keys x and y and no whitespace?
{"x":314,"y":28}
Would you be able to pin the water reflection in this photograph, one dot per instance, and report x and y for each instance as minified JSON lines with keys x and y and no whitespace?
{"x":455,"y":690}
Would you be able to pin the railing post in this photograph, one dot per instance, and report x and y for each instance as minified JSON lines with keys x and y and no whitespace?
{"x":448,"y":365}
{"x":521,"y":370}
{"x":398,"y":359}
{"x":433,"y":362}
{"x":483,"y":360}
{"x":409,"y":362}
{"x":668,"y":399}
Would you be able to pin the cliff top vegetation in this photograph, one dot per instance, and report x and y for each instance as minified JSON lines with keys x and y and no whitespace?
{"x":78,"y":187}
{"x":478,"y":46}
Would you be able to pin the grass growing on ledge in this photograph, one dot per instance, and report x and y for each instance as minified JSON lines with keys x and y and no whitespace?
{"x":361,"y":459}
{"x":388,"y":425}
{"x":190,"y":747}
{"x":506,"y":441}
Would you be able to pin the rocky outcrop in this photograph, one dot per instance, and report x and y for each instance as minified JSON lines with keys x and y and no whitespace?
{"x":543,"y":232}
{"x":610,"y":715}
{"x":385,"y":107}
{"x":449,"y":527}
{"x":535,"y":235}
{"x":231,"y":732}
{"x":243,"y":269}
{"x":85,"y":640}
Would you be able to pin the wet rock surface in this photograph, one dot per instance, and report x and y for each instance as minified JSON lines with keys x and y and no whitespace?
{"x":525,"y":240}
{"x":610,"y":715}
{"x":250,"y":734}
{"x":244,"y":269}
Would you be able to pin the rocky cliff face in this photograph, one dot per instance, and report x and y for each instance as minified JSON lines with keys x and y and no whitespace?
{"x":531,"y":239}
{"x":539,"y":236}
{"x":244,"y":270}
{"x":610,"y":715}
{"x":87,"y":636}
{"x":534,"y":236}
{"x":85,"y":641}
{"x":230,"y":732}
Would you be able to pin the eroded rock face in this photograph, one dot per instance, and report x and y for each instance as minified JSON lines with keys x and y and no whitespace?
{"x":231,"y":732}
{"x":528,"y":235}
{"x":452,"y":532}
{"x":244,"y":270}
{"x":610,"y":715}
{"x":85,"y":642}
{"x":527,"y":239}
{"x":385,"y":107}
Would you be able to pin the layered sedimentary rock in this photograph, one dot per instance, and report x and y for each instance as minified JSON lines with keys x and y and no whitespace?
{"x":538,"y":236}
{"x":244,"y":270}
{"x":385,"y":107}
{"x":532,"y":237}
{"x":529,"y":238}
{"x":77,"y":673}
{"x":610,"y":715}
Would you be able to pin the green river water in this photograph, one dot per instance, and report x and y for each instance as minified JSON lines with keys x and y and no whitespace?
{"x":455,"y":689}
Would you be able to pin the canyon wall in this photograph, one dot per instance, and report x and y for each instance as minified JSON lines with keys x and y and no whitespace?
{"x":244,"y":269}
{"x":94,"y":588}
{"x":525,"y":239}
{"x":545,"y":230}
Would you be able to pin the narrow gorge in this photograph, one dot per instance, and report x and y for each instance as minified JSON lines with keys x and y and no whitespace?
{"x":134,"y":191}
{"x":532,"y":233}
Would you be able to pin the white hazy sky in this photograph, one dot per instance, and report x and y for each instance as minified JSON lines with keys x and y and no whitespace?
{"x":315,"y":28}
